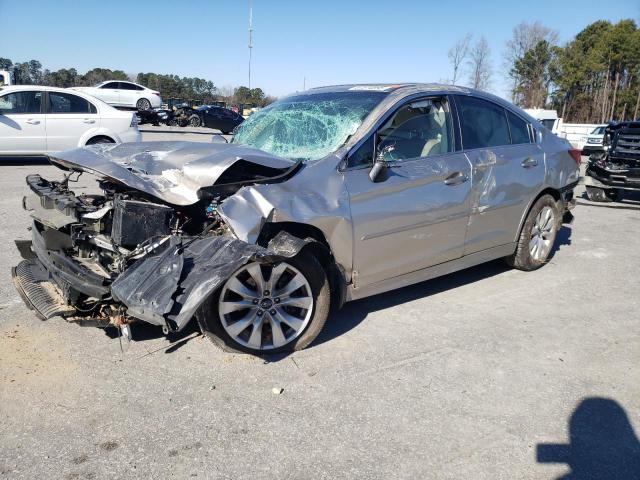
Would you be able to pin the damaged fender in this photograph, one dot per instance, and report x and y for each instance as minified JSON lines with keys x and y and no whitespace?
{"x":166,"y":289}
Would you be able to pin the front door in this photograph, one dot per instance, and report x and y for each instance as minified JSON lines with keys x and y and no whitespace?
{"x":416,"y":214}
{"x":22,"y":123}
{"x":110,"y":93}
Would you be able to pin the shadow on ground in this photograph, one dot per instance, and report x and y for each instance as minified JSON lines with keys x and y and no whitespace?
{"x":602,"y":443}
{"x":353,"y":313}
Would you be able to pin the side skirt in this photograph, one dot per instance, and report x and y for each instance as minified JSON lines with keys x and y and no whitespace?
{"x":428,"y":273}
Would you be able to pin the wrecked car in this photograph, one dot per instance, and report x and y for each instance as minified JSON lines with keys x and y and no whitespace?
{"x":321,"y":198}
{"x":618,"y":166}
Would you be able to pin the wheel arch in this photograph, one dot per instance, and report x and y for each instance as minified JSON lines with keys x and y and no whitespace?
{"x":555,"y":193}
{"x":319,"y":247}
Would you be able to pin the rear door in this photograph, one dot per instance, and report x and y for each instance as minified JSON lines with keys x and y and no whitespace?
{"x":110,"y":93}
{"x":129,"y":94}
{"x":508,"y":170}
{"x":416,"y":215}
{"x":22,"y":123}
{"x":68,"y":117}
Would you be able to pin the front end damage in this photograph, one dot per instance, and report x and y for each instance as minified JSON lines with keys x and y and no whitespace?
{"x":147,"y":247}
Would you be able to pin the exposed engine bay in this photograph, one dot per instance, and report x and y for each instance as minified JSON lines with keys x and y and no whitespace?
{"x":152,"y":252}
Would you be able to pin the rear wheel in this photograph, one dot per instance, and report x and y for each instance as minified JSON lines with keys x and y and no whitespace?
{"x":264,"y":309}
{"x":143,"y":104}
{"x":537,"y":236}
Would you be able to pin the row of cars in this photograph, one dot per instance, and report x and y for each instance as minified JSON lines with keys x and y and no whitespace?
{"x":36,"y":120}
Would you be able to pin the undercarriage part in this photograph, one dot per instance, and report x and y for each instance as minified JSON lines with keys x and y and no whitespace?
{"x":41,"y":295}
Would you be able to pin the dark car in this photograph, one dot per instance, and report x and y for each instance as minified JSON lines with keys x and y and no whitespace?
{"x":618,"y":166}
{"x":212,"y":116}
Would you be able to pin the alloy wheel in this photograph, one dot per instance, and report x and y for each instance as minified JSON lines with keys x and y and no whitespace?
{"x":542,"y":234}
{"x":265,"y":307}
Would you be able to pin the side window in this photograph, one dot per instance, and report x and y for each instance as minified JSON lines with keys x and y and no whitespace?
{"x":483,"y":123}
{"x":68,"y":103}
{"x":129,"y":86}
{"x":136,"y":87}
{"x":421,"y":128}
{"x":111,"y":85}
{"x":519,"y":129}
{"x":21,"y":102}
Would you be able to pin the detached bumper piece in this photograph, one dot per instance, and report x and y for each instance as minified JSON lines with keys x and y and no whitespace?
{"x":39,"y":294}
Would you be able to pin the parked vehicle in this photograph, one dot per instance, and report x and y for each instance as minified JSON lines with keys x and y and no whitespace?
{"x":594,"y":141}
{"x":37,"y":120}
{"x":617,"y":167}
{"x":548,"y":118}
{"x":124,"y":94}
{"x":5,"y":78}
{"x":155,"y":116}
{"x":327,"y":196}
{"x":219,"y":118}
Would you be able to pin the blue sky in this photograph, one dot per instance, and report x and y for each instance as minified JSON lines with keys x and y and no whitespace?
{"x":326,"y":41}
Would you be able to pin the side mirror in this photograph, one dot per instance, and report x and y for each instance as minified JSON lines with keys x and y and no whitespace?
{"x":218,"y":138}
{"x":378,"y":172}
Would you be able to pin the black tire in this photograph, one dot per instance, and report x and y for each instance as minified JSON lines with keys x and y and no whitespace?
{"x":596,"y":194}
{"x":143,"y":104}
{"x":211,"y":325}
{"x":522,"y":258}
{"x":194,"y":121}
{"x":96,"y":140}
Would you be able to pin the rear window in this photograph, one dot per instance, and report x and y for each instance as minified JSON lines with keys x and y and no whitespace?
{"x":483,"y":123}
{"x":68,"y":103}
{"x":519,"y":129}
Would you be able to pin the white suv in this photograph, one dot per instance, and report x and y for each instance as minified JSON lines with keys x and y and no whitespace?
{"x":38,"y":120}
{"x":124,"y":94}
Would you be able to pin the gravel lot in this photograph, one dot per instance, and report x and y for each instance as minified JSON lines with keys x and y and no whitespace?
{"x":466,"y":376}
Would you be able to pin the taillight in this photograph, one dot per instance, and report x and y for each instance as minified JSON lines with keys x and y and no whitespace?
{"x":156,"y":93}
{"x":576,"y":155}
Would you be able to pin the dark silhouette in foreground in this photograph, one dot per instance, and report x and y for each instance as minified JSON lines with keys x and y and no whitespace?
{"x":602,"y":444}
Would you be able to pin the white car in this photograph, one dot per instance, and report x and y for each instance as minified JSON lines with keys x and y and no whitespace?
{"x":594,"y":141}
{"x":124,"y":94}
{"x":38,"y":120}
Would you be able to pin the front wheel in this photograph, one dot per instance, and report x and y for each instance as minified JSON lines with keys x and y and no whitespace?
{"x":537,"y":236}
{"x":194,"y":121}
{"x":265,"y":309}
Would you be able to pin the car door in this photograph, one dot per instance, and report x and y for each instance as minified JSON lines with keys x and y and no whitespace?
{"x":68,"y":117}
{"x":22,"y":123}
{"x":128,"y":94}
{"x":110,"y":93}
{"x":415,"y":214}
{"x":508,"y":170}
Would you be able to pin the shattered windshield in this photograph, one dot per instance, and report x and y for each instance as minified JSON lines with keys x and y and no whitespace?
{"x":307,"y":127}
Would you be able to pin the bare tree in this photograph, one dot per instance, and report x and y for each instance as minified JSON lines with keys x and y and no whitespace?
{"x":480,"y":70}
{"x":458,"y":54}
{"x":524,"y":37}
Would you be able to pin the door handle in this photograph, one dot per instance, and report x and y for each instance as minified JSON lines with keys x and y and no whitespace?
{"x":33,"y":122}
{"x":88,"y":120}
{"x":456,"y":178}
{"x":529,"y":162}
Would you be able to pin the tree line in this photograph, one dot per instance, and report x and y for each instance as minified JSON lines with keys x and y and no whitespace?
{"x":170,"y":86}
{"x":593,"y":78}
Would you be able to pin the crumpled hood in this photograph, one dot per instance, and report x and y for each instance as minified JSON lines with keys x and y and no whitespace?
{"x":170,"y":171}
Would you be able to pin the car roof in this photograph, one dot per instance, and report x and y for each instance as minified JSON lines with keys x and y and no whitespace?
{"x":35,"y":87}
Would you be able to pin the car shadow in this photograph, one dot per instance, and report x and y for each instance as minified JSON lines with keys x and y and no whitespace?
{"x":352,"y":313}
{"x":602,"y":443}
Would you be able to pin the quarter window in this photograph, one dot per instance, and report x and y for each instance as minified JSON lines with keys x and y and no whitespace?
{"x":67,"y":103}
{"x":483,"y":123}
{"x":519,"y":129}
{"x":20,"y":102}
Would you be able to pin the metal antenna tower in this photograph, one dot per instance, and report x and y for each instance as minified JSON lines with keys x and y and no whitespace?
{"x":250,"y":37}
